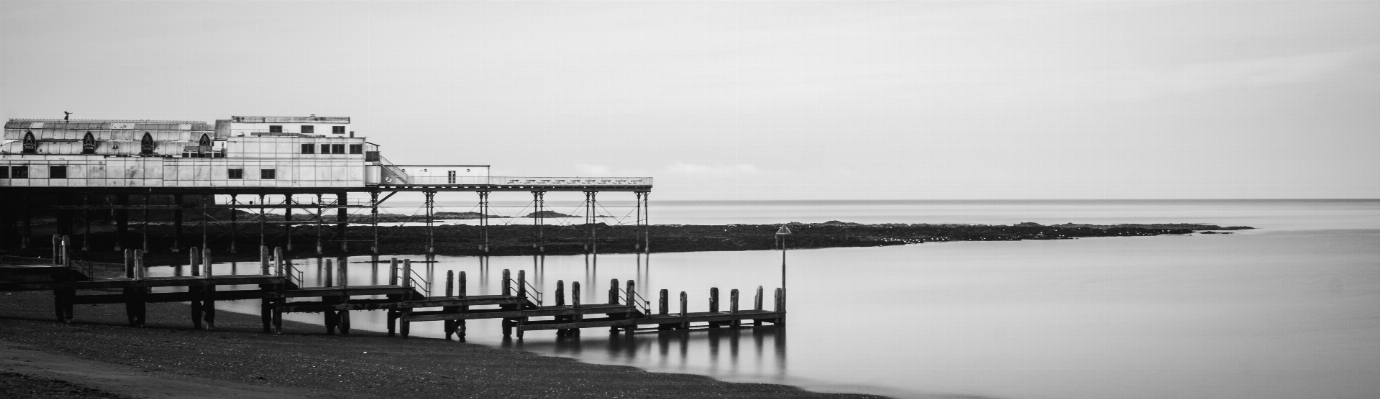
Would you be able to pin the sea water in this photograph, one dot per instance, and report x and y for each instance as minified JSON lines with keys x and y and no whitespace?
{"x":1291,"y":309}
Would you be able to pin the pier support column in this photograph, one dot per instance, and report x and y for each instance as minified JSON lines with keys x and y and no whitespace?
{"x":143,"y":226}
{"x":208,"y":306}
{"x":263,"y":222}
{"x":121,"y":222}
{"x":539,"y":219}
{"x":374,"y":220}
{"x":319,"y":220}
{"x":194,"y":259}
{"x":234,"y":228}
{"x":484,"y":223}
{"x":206,"y":200}
{"x":177,"y":223}
{"x":430,"y":224}
{"x":287,"y":222}
{"x":86,"y":223}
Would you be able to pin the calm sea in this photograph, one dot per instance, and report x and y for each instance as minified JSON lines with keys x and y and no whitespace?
{"x":1289,"y":310}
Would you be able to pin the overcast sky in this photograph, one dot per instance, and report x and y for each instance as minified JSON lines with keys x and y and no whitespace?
{"x":761,"y":100}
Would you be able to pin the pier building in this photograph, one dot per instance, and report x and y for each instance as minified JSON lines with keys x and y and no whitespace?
{"x":69,"y":172}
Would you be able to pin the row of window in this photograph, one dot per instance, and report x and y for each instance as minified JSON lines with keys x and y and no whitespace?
{"x":306,"y":129}
{"x":60,"y":172}
{"x":332,"y":148}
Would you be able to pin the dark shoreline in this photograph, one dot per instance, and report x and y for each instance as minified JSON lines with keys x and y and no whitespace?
{"x":305,"y":360}
{"x":509,"y":240}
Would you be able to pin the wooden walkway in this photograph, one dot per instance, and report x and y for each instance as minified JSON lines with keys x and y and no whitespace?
{"x":280,"y":288}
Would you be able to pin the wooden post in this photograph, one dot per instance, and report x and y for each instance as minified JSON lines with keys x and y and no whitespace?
{"x":684,"y":310}
{"x":733,"y":307}
{"x":713,"y":304}
{"x":505,"y":289}
{"x":67,"y":252}
{"x":560,"y":292}
{"x":613,"y":291}
{"x":328,"y":280}
{"x":194,"y":261}
{"x":393,"y":271}
{"x":131,"y":309}
{"x":632,"y":306}
{"x":265,"y":308}
{"x":780,"y":309}
{"x":449,"y":325}
{"x":757,"y":302}
{"x":281,"y":269}
{"x":140,"y":307}
{"x":522,"y":284}
{"x":342,"y":319}
{"x":575,"y":294}
{"x":462,"y":293}
{"x":209,"y":304}
{"x":405,"y":326}
{"x":663,"y":308}
{"x":57,"y":259}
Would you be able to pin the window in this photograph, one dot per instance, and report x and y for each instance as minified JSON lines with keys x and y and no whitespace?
{"x":337,"y":148}
{"x":308,"y":148}
{"x":30,"y":145}
{"x":338,"y":129}
{"x":4,"y":172}
{"x":236,"y":173}
{"x":146,"y":144}
{"x":88,"y":144}
{"x":325,"y":148}
{"x":19,"y":172}
{"x":308,"y":129}
{"x":356,"y":148}
{"x":275,"y":128}
{"x":57,"y":172}
{"x":268,"y":174}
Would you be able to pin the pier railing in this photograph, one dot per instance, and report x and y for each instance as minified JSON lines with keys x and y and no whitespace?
{"x":637,"y":301}
{"x":521,"y":181}
{"x":420,"y":282}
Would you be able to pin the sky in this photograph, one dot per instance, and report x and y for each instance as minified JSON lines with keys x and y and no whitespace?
{"x":761,"y":100}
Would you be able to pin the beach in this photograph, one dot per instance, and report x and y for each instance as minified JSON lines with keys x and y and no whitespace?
{"x":98,"y":355}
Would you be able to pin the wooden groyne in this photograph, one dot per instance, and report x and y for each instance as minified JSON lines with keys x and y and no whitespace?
{"x":405,"y":296}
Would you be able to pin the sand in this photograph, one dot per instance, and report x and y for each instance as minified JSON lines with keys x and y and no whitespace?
{"x":98,"y":354}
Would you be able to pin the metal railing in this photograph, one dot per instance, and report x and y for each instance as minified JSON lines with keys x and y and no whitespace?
{"x":533,"y":293}
{"x":420,"y":282}
{"x":638,"y":301}
{"x":518,"y":181}
{"x":289,"y":269}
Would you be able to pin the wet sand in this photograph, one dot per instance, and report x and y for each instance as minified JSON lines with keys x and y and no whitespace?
{"x":169,"y":359}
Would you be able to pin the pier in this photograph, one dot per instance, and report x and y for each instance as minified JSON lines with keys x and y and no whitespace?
{"x":405,"y":296}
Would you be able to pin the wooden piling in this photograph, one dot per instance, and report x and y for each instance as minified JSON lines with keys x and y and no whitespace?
{"x":780,"y":308}
{"x":208,"y":307}
{"x":326,"y":267}
{"x":462,"y":294}
{"x":713,"y":304}
{"x":684,"y":310}
{"x":194,"y":265}
{"x":449,"y":325}
{"x":405,"y":326}
{"x":278,"y":300}
{"x":733,"y":307}
{"x":393,"y":271}
{"x":131,"y":311}
{"x":663,"y":309}
{"x":265,"y":311}
{"x":140,"y":307}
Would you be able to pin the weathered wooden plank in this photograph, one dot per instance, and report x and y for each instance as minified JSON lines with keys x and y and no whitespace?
{"x":514,"y":313}
{"x":171,"y":297}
